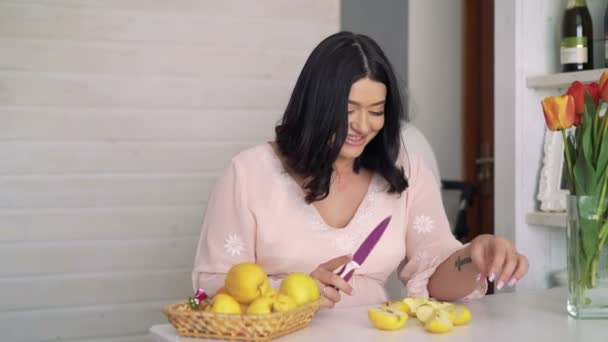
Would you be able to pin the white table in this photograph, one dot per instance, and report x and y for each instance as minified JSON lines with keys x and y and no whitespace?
{"x":511,"y":317}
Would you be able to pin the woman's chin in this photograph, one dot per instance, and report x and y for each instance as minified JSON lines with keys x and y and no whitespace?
{"x":351,"y":151}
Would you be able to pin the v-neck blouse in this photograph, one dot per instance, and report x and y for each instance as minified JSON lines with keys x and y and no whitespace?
{"x":257,"y":212}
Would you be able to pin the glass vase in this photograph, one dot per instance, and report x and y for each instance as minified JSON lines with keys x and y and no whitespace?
{"x":587,"y":243}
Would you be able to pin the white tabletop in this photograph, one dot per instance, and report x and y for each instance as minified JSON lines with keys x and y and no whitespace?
{"x":513,"y":317}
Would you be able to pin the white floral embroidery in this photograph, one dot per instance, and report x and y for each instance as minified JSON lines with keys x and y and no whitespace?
{"x":423,"y":224}
{"x":234,"y":245}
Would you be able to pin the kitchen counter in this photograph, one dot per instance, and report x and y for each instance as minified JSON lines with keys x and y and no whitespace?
{"x":513,"y":317}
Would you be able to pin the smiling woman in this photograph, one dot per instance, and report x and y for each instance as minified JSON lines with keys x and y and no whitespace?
{"x":306,"y":201}
{"x":345,"y":73}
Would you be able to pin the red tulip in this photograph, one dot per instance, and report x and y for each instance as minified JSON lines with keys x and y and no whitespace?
{"x":559,"y":112}
{"x":577,"y":90}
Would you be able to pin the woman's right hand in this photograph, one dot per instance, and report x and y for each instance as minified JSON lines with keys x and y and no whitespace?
{"x":329,"y":282}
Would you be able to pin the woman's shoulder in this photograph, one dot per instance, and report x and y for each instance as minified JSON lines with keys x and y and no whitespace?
{"x":416,"y":166}
{"x":254,"y":160}
{"x":253,"y":154}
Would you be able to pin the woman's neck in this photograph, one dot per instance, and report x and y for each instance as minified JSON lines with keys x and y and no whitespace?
{"x":344,"y":166}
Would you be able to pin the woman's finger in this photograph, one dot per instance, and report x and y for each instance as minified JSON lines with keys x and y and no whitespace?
{"x":326,"y":303}
{"x":507,"y":269}
{"x":520,"y":270}
{"x":330,"y":293}
{"x":333,"y":264}
{"x":478,"y":257}
{"x":498,"y":259}
{"x":330,"y":278}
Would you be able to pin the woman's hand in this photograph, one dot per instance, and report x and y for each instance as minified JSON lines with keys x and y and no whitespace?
{"x":495,"y":256}
{"x":330,"y":283}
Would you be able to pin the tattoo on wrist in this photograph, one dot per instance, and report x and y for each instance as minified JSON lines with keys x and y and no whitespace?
{"x":461,"y":262}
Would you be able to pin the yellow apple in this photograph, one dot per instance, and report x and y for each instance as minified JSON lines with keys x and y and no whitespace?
{"x":399,"y":305}
{"x":262,"y":305}
{"x":439,"y":323}
{"x":387,"y":318}
{"x":424,"y":312}
{"x":223,"y":303}
{"x":413,"y":303}
{"x":221,"y":290}
{"x":271,"y":293}
{"x":246,"y":282}
{"x":281,"y":303}
{"x":459,"y":314}
{"x":300,"y":287}
{"x":438,"y":305}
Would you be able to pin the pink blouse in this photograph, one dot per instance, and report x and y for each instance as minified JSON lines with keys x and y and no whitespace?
{"x":257,"y":212}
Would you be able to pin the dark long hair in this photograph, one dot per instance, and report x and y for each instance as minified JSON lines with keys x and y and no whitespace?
{"x":315,"y":123}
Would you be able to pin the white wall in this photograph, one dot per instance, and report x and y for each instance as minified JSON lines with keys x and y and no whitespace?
{"x":385,"y":21}
{"x":115,"y":118}
{"x":435,"y":38}
{"x":527,"y":44}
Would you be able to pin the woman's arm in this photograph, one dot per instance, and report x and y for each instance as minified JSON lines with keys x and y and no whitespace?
{"x":486,"y":256}
{"x":228,"y":231}
{"x":454,"y":278}
{"x":437,"y":265}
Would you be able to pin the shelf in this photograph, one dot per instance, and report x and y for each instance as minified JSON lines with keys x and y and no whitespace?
{"x":537,"y":218}
{"x":563,"y":80}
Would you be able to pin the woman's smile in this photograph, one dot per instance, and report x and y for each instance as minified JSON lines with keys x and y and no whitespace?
{"x":356,"y":140}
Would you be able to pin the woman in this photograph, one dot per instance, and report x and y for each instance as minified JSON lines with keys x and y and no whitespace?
{"x":306,"y":201}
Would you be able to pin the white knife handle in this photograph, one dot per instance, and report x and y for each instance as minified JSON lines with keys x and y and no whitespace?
{"x":348,"y":269}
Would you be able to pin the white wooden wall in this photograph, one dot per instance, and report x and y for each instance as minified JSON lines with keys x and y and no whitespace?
{"x":115,"y":118}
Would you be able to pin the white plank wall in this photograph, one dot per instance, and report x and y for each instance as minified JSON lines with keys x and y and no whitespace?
{"x":116,"y":117}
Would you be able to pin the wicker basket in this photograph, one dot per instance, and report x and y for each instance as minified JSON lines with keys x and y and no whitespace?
{"x":238,"y":327}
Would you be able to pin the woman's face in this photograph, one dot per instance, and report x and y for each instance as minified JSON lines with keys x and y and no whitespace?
{"x":366,"y":102}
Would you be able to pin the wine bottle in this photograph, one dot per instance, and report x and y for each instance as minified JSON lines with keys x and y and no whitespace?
{"x":576,"y":52}
{"x":606,"y":37}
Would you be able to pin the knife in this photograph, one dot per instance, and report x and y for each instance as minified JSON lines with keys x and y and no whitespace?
{"x":366,"y":247}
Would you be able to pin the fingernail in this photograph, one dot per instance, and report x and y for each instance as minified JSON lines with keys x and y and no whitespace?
{"x":492,"y":277}
{"x":512,"y":282}
{"x":479,"y":277}
{"x":500,"y":284}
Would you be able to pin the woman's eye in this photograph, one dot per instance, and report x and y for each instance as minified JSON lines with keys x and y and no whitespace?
{"x":350,"y":111}
{"x":380,"y":113}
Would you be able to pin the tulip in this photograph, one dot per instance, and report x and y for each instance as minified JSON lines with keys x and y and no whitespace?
{"x":577,"y":90}
{"x":559,"y":112}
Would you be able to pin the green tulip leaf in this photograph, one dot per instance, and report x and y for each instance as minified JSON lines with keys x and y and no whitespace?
{"x":583,"y":176}
{"x":590,"y":109}
{"x":603,"y":155}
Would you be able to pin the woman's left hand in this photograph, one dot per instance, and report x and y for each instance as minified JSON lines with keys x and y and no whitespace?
{"x":497,"y":259}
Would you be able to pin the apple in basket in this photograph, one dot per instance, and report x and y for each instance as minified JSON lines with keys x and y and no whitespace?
{"x":247,"y":290}
{"x":246,"y":282}
{"x":266,"y":305}
{"x":247,"y":297}
{"x":301,"y":287}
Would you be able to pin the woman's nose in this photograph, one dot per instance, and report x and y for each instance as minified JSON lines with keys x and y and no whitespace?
{"x":360,"y":122}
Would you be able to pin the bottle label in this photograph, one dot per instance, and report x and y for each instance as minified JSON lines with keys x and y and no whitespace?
{"x":574,"y":50}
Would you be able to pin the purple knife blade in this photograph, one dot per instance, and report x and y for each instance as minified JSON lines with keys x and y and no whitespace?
{"x":366,"y":247}
{"x":371,"y":240}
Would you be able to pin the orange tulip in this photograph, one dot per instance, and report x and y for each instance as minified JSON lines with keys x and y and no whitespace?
{"x":559,"y":112}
